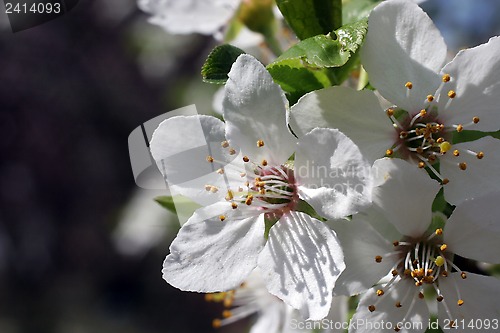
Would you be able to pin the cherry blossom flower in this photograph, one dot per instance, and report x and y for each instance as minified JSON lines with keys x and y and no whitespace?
{"x":396,"y":238}
{"x":271,"y":314}
{"x":404,"y":54}
{"x":188,"y":16}
{"x":240,"y":172}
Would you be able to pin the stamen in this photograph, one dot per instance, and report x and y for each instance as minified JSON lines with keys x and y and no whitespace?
{"x":264,"y":163}
{"x":216,"y":323}
{"x":220,"y":171}
{"x":210,"y":159}
{"x":462,"y":166}
{"x":452,"y":94}
{"x":260,"y":143}
{"x":378,"y":259}
{"x":409,"y":85}
{"x":222,"y":218}
{"x":446,"y":78}
{"x":232,"y":151}
{"x":245,"y":159}
{"x":430,"y":98}
{"x":224,"y":144}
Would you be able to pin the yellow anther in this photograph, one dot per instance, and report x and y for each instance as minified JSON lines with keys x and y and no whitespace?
{"x":395,"y":243}
{"x":421,"y":295}
{"x":462,"y":166}
{"x":456,"y":152}
{"x":463,"y":275}
{"x":452,"y":94}
{"x":260,"y":184}
{"x":234,"y":205}
{"x":390,"y":112}
{"x":208,"y":187}
{"x":371,"y":308}
{"x":445,"y":181}
{"x":475,"y":120}
{"x":220,"y":171}
{"x":421,"y":165}
{"x":439,"y":261}
{"x":210,"y":159}
{"x":420,"y":150}
{"x":245,"y":159}
{"x":222,"y":218}
{"x":232,"y":151}
{"x":460,"y":302}
{"x":430,"y":98}
{"x":260,"y":143}
{"x":216,"y":323}
{"x":460,"y":128}
{"x":249,"y":200}
{"x":389,"y":152}
{"x":226,"y":314}
{"x":394,"y":272}
{"x":440,"y":140}
{"x":378,"y":259}
{"x":209,"y":297}
{"x":443,"y":247}
{"x":264,"y":163}
{"x":480,"y":155}
{"x":398,"y":304}
{"x":247,"y":184}
{"x":229,"y":195}
{"x":403,"y":135}
{"x":380,"y":292}
{"x":224,"y":144}
{"x":228,"y":302}
{"x":444,"y":273}
{"x":214,"y":189}
{"x":262,"y":191}
{"x":407,"y":272}
{"x":444,"y":147}
{"x":439,"y":298}
{"x":422,"y":113}
{"x":446,"y":78}
{"x":439,"y":231}
{"x":409,"y":85}
{"x":428,"y":279}
{"x":418,"y":283}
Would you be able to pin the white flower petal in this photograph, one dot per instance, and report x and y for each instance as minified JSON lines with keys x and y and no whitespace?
{"x":475,"y":77}
{"x":480,"y":175}
{"x":301,"y":262}
{"x":480,"y":295}
{"x":188,"y":16}
{"x":180,"y":146}
{"x":361,"y":244}
{"x":255,"y":109}
{"x":333,"y":176}
{"x":405,"y":195}
{"x":413,"y":311}
{"x":403,"y":45}
{"x":209,"y":255}
{"x":358,"y":114}
{"x":339,"y":313}
{"x":473,"y":230}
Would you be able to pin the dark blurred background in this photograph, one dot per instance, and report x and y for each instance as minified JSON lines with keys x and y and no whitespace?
{"x":71,"y":91}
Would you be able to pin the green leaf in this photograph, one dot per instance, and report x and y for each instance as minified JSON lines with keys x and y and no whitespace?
{"x":355,"y":10}
{"x":318,"y":62}
{"x":178,"y":202}
{"x":219,"y":62}
{"x":309,"y":18}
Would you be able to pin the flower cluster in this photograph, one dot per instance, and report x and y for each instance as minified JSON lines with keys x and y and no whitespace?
{"x":338,"y":196}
